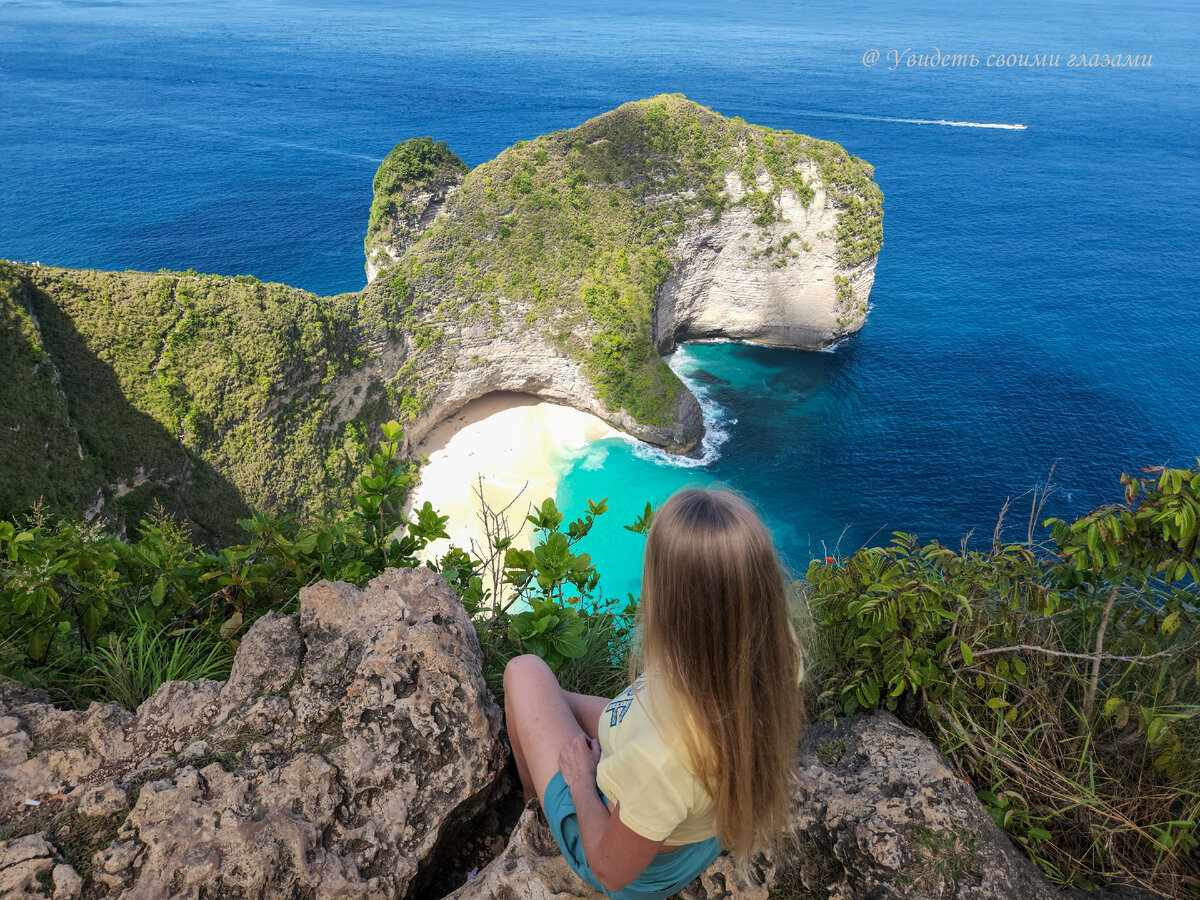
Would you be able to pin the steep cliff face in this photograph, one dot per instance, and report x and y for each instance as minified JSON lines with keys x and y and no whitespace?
{"x":568,"y":264}
{"x":784,"y":284}
{"x":562,"y":268}
{"x":411,"y":187}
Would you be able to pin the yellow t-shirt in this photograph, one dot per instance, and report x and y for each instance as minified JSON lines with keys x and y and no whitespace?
{"x":645,"y":768}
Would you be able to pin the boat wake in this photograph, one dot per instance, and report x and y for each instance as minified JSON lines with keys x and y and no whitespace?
{"x":1015,"y":126}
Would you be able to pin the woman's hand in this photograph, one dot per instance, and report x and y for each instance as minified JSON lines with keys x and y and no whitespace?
{"x":578,"y":759}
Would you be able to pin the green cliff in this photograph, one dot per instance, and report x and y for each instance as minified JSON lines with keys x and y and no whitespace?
{"x":561,"y":268}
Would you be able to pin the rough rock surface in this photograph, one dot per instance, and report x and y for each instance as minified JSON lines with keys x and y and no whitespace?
{"x":727,"y":281}
{"x":355,"y":751}
{"x":414,"y":212}
{"x":523,"y":363}
{"x":883,"y":816}
{"x":353,"y":745}
{"x":532,"y":868}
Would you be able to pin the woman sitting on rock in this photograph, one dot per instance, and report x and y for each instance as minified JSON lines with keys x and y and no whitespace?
{"x":642,"y":792}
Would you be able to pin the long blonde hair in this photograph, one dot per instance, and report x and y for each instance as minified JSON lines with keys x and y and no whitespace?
{"x":715,"y":631}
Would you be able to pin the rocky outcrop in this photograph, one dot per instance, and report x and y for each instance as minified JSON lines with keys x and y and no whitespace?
{"x":564,"y":268}
{"x":355,"y":751}
{"x":722,"y":230}
{"x":352,"y":749}
{"x":877,"y":812}
{"x":411,"y":187}
{"x":781,"y":284}
{"x":526,"y":364}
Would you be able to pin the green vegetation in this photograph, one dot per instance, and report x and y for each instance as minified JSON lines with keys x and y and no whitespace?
{"x":1062,"y":680}
{"x":577,"y":227}
{"x":201,"y":393}
{"x":209,"y":395}
{"x":89,"y":616}
{"x":411,"y":165}
{"x":1064,"y":684}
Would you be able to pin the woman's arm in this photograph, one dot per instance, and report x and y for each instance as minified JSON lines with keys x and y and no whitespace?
{"x":616,"y":854}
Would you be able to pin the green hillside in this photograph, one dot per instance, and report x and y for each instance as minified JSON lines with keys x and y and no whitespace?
{"x":212,"y":394}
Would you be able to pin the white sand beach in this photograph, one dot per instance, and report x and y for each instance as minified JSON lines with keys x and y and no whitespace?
{"x":518,"y":444}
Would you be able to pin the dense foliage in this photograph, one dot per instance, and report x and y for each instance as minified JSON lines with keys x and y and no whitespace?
{"x":1065,"y":685}
{"x":1063,"y":681}
{"x":90,"y":616}
{"x":410,"y":165}
{"x":202,"y":393}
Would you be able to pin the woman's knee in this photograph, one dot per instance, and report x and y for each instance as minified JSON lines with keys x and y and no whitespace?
{"x":524,"y":667}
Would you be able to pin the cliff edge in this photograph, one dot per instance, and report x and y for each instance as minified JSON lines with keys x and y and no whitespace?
{"x":566,"y":266}
{"x":563,"y":268}
{"x":355,"y":751}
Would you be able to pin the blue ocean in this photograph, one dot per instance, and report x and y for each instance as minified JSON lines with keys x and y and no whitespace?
{"x":1035,"y":305}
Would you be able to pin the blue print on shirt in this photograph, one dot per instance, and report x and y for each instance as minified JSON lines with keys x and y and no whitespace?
{"x":617,"y":708}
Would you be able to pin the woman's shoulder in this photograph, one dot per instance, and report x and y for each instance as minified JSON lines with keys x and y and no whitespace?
{"x":644,"y":712}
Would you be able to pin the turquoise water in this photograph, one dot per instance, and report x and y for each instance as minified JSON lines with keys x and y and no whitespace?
{"x":1035,"y":303}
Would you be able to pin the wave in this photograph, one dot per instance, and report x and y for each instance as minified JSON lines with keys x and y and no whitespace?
{"x":716,"y":421}
{"x":1014,"y":126}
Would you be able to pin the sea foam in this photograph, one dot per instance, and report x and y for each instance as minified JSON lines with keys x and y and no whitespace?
{"x":717,"y":420}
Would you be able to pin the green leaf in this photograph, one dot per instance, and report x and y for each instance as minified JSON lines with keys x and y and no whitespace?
{"x":91,"y":619}
{"x":1155,"y":730}
{"x":39,"y":641}
{"x":159,"y":590}
{"x":230,"y":626}
{"x":1171,"y":623}
{"x":967,"y":655}
{"x":570,"y":646}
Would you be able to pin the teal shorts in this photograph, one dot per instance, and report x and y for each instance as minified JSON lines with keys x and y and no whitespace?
{"x":667,"y":874}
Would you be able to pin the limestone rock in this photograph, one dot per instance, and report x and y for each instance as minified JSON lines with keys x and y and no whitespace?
{"x":532,"y":866}
{"x":727,"y":282}
{"x":887,"y":817}
{"x":102,"y":800}
{"x":890,"y":818}
{"x":355,"y":750}
{"x":352,"y":746}
{"x":562,"y":268}
{"x":764,"y":259}
{"x":411,"y":187}
{"x":66,"y":881}
{"x":28,"y":865}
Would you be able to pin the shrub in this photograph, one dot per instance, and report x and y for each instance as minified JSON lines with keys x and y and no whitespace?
{"x":1064,"y":683}
{"x":91,"y":617}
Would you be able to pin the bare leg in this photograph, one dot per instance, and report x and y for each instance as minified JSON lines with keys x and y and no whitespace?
{"x":540,"y":721}
{"x":527,"y":789}
{"x":587,"y":709}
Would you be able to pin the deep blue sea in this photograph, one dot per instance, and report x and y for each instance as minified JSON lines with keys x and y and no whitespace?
{"x":1035,"y":302}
